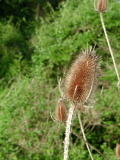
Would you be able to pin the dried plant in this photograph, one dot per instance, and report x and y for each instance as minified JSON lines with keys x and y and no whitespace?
{"x":84,"y":136}
{"x":68,"y":131}
{"x":79,"y":85}
{"x":81,"y":77}
{"x":102,"y":5}
{"x":117,"y":150}
{"x":61,"y":111}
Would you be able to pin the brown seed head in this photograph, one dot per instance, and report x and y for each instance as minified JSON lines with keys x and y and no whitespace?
{"x":61,"y":112}
{"x":102,"y":5}
{"x":117,"y":150}
{"x":81,"y":77}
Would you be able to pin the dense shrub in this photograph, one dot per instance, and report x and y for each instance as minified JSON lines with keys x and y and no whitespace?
{"x":10,"y":53}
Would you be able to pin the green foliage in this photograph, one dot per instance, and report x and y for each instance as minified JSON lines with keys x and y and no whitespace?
{"x":26,"y":123}
{"x":10,"y":54}
{"x":76,"y":27}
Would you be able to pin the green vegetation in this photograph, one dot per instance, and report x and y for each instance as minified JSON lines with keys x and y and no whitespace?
{"x":34,"y":54}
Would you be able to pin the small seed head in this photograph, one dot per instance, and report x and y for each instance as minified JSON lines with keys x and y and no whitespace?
{"x":102,"y":5}
{"x":61,"y":111}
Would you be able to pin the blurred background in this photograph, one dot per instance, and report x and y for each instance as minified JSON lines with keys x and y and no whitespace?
{"x":39,"y":39}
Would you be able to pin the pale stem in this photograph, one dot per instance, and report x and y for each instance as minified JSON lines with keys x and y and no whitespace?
{"x":68,"y":131}
{"x":109,"y":46}
{"x":84,"y":137}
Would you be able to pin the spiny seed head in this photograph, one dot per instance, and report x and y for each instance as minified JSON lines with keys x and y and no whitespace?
{"x":61,"y":112}
{"x":81,"y":77}
{"x":102,"y":5}
{"x":118,"y":150}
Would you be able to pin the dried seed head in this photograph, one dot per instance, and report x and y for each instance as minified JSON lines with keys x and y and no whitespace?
{"x":61,"y":112}
{"x":117,"y":150}
{"x":81,"y":77}
{"x":102,"y":5}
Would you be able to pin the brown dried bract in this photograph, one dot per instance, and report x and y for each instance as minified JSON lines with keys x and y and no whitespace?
{"x":61,"y":112}
{"x":81,"y":77}
{"x":117,"y":150}
{"x":102,"y":5}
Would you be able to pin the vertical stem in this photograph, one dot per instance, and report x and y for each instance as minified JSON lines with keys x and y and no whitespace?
{"x":84,"y":137}
{"x":37,"y":11}
{"x":109,"y":46}
{"x":67,"y":132}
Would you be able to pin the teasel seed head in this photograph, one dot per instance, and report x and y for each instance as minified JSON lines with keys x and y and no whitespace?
{"x":61,"y":111}
{"x":102,"y":5}
{"x":81,"y":78}
{"x":117,"y":150}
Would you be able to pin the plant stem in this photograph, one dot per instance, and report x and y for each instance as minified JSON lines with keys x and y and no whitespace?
{"x":67,"y":132}
{"x":109,"y":46}
{"x":84,"y":137}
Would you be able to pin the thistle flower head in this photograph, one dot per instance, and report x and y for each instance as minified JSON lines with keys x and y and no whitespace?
{"x":81,"y":77}
{"x":61,"y":112}
{"x":102,"y":5}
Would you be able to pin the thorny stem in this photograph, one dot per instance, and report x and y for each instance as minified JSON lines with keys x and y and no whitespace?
{"x":67,"y":132}
{"x":59,"y":87}
{"x":84,"y":137}
{"x":110,"y":49}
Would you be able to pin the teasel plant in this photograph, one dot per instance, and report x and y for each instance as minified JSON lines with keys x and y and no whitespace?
{"x":79,"y":85}
{"x":101,"y":7}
